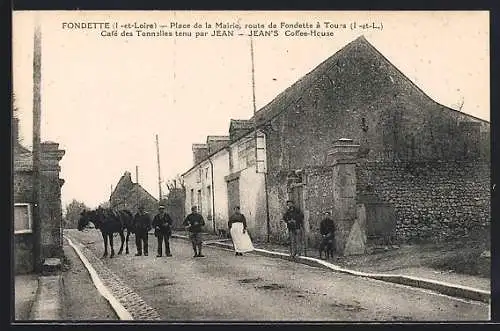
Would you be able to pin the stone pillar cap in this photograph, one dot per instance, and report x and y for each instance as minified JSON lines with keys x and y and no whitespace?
{"x":343,"y":149}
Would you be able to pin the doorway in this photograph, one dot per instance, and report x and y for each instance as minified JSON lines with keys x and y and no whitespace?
{"x":233,"y":194}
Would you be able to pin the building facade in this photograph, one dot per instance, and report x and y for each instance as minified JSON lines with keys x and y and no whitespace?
{"x":33,"y":243}
{"x":422,"y":169}
{"x":230,"y":176}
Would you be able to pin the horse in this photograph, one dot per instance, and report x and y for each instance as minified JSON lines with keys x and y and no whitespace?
{"x":109,"y":222}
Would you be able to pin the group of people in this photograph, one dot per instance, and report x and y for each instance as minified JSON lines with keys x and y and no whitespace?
{"x":294,"y":219}
{"x":162,"y":224}
{"x":237,"y":225}
{"x":193,"y":223}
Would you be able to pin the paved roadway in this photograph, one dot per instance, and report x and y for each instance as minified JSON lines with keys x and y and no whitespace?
{"x":225,"y":287}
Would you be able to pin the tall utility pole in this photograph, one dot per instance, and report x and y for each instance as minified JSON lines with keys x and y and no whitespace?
{"x":268,"y":222}
{"x":37,"y":78}
{"x":253,"y":103}
{"x":137,"y":174}
{"x":158,"y":161}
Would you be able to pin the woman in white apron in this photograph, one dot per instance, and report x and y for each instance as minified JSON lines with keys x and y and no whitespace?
{"x":238,"y":228}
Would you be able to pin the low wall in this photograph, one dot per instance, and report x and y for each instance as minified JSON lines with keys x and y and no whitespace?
{"x":432,"y":200}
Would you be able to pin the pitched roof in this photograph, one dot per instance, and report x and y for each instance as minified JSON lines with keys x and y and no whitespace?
{"x":125,"y":184}
{"x":294,"y":93}
{"x":141,"y":189}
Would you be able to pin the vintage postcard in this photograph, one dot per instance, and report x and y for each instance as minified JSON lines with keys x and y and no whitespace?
{"x":251,"y":166}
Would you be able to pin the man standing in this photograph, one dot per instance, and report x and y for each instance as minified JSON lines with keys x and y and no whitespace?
{"x":327,"y":230}
{"x":162,"y":223}
{"x":193,"y":223}
{"x":294,"y":219}
{"x":142,"y":224}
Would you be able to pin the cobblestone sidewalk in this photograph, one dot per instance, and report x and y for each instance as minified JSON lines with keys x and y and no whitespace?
{"x":130,"y":300}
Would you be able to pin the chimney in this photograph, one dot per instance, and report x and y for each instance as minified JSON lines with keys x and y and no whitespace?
{"x":238,"y":128}
{"x":200,"y":152}
{"x":215,"y":143}
{"x":128,"y":176}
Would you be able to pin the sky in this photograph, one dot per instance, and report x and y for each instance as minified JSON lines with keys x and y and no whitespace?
{"x":104,"y":98}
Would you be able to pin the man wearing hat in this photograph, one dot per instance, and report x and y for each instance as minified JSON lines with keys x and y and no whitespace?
{"x":162,"y":223}
{"x":294,"y":219}
{"x":194,"y":223}
{"x":142,"y":225}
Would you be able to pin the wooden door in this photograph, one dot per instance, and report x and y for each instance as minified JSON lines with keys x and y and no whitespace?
{"x":233,"y":194}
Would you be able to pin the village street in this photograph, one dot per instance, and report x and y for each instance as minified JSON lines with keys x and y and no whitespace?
{"x":222,"y":286}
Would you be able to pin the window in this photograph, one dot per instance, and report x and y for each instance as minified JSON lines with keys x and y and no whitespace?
{"x":192,"y":197}
{"x":198,"y":178}
{"x":246,"y":153}
{"x":261,"y":154}
{"x":23,"y":222}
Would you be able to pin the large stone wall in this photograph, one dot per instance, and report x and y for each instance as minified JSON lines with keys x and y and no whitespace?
{"x":319,"y":199}
{"x":277,"y":197}
{"x":370,"y":102}
{"x":432,"y":200}
{"x":363,"y":97}
{"x":49,"y":241}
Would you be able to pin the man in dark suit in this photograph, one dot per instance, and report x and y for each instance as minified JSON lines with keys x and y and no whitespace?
{"x":142,"y":225}
{"x":162,"y":223}
{"x":194,"y":223}
{"x":294,"y":219}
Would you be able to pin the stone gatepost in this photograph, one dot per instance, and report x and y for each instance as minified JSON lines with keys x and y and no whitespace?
{"x":50,"y":202}
{"x":350,"y":230}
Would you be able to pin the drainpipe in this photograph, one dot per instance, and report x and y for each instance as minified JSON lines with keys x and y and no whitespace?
{"x":267,"y":209}
{"x":213,"y":192}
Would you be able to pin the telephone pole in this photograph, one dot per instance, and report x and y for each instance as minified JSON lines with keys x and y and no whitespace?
{"x":253,"y":103}
{"x":37,"y":78}
{"x":159,"y":173}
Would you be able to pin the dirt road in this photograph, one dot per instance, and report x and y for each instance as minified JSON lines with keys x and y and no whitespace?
{"x":222,"y":286}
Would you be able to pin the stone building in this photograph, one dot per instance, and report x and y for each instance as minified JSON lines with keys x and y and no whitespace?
{"x":129,"y":195}
{"x":421,"y":170}
{"x":32,"y":243}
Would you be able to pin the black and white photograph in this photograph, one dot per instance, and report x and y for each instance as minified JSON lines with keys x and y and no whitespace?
{"x":251,"y":166}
